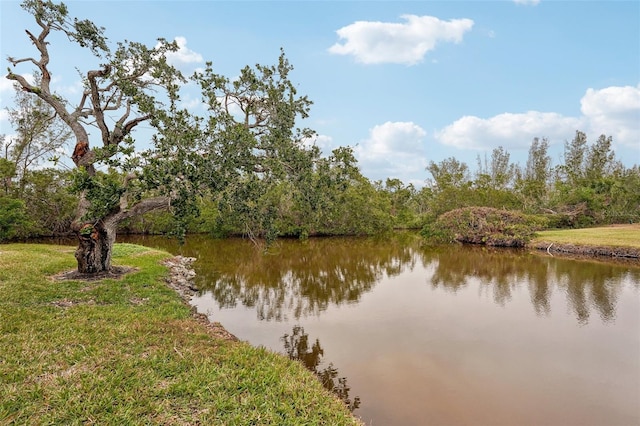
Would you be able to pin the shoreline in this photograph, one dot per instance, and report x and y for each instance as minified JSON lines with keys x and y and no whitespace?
{"x":595,"y":252}
{"x":619,"y":243}
{"x":180,"y":279}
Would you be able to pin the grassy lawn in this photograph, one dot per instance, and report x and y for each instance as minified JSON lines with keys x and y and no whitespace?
{"x":608,"y":236}
{"x":128,"y":352}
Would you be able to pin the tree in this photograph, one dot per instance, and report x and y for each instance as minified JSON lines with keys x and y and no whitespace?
{"x":40,"y":132}
{"x":599,"y":160}
{"x":499,"y":171}
{"x":12,"y":215}
{"x":7,"y":172}
{"x":134,"y":84}
{"x":574,"y":158}
{"x":493,"y":183}
{"x":533,"y":181}
{"x":448,"y":173}
{"x":450,"y":186}
{"x":402,"y":199}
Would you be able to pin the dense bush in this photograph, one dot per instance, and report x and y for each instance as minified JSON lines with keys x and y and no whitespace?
{"x":484,"y":225}
{"x":12,"y":215}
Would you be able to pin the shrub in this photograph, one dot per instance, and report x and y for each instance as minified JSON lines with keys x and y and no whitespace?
{"x":485,"y":225}
{"x":12,"y":215}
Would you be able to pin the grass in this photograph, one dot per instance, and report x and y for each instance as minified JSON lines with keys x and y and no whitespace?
{"x":128,"y":351}
{"x":607,"y":236}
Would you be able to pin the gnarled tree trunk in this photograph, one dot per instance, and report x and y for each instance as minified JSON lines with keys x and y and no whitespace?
{"x":95,"y":245}
{"x":95,"y":240}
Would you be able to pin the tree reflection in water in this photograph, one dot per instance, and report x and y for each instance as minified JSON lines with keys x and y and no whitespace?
{"x":296,"y":346}
{"x":587,"y":285}
{"x":298,"y":279}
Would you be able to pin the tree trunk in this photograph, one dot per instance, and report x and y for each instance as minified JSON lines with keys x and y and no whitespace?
{"x":95,"y":240}
{"x":95,"y":245}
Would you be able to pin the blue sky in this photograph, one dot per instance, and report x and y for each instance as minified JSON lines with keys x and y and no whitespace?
{"x":402,"y":82}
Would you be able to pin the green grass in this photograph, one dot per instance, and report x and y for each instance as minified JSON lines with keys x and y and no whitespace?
{"x":129,"y":352}
{"x":608,"y":236}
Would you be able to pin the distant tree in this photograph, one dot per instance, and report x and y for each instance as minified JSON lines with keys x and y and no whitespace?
{"x":402,"y":199}
{"x":575,"y":152}
{"x":499,"y":171}
{"x":451,"y":186}
{"x":352,"y":205}
{"x":12,"y":216}
{"x":533,"y":182}
{"x":7,"y":173}
{"x":448,"y":173}
{"x":49,"y":205}
{"x":625,"y":196}
{"x":600,"y":160}
{"x":592,"y":184}
{"x":40,"y":133}
{"x":493,"y":185}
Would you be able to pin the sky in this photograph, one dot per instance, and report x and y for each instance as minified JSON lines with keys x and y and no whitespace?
{"x":403,"y":83}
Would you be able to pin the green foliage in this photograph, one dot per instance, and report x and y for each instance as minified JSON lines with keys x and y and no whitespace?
{"x":12,"y":215}
{"x":402,"y":200}
{"x":102,"y":189}
{"x":485,"y":225}
{"x":7,"y":172}
{"x":84,"y":32}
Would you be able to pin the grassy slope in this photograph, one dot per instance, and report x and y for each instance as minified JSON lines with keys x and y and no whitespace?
{"x":608,"y":236}
{"x":129,"y":352}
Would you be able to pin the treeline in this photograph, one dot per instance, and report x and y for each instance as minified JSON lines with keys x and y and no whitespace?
{"x":330,"y":196}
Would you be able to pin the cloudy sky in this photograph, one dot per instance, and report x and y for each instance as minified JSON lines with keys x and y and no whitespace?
{"x":403,"y":83}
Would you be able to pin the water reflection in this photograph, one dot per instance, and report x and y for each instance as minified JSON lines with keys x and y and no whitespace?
{"x":296,"y":346}
{"x":299,"y":279}
{"x":587,"y":285}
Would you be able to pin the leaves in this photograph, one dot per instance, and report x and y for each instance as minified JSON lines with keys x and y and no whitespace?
{"x":103,"y":190}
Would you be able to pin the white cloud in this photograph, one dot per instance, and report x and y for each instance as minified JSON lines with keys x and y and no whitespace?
{"x":183,"y":55}
{"x":6,"y":85}
{"x":6,"y":91}
{"x":76,"y":88}
{"x":393,"y":149}
{"x":324,"y":142}
{"x":192,"y":104}
{"x":527,"y":2}
{"x":507,"y":130}
{"x":614,"y":111}
{"x":400,"y":43}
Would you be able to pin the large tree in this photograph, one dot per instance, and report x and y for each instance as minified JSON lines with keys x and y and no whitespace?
{"x":246,"y":138}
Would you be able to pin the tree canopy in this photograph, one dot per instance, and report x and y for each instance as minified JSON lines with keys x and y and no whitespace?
{"x":246,"y":141}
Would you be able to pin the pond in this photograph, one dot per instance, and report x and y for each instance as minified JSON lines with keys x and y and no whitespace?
{"x":416,"y":335}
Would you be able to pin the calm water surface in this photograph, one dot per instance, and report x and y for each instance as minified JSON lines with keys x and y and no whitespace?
{"x":412,"y":335}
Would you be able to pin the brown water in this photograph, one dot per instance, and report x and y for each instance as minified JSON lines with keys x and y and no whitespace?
{"x":411,"y":335}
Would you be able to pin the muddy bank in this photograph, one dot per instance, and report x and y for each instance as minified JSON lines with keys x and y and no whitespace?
{"x":181,"y":279}
{"x":618,"y":253}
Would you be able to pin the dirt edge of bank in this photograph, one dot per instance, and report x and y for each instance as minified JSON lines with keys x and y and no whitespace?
{"x":600,"y":252}
{"x":181,"y":279}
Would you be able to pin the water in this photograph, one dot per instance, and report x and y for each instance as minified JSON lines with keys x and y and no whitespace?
{"x":412,"y":335}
